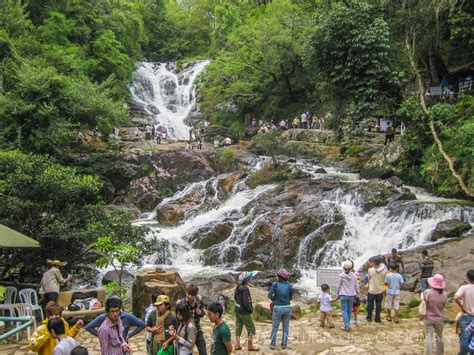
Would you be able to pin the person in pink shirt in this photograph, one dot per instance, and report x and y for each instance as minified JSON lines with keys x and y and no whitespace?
{"x":111,"y":330}
{"x":347,"y":288}
{"x":436,"y":298}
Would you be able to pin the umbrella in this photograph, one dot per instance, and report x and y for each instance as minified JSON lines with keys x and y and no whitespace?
{"x":13,"y":239}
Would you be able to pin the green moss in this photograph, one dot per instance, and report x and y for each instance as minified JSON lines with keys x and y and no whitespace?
{"x":412,"y":303}
{"x":270,"y":173}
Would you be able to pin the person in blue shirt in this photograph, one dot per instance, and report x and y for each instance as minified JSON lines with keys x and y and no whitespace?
{"x":281,"y":294}
{"x":128,"y":320}
{"x":394,"y":282}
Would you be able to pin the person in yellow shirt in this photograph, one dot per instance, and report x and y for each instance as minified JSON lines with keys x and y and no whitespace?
{"x":42,"y":341}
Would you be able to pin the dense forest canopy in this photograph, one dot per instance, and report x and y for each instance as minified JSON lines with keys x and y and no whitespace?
{"x":65,"y":67}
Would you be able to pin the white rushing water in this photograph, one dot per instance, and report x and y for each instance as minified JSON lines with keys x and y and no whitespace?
{"x":167,"y":97}
{"x":401,"y":225}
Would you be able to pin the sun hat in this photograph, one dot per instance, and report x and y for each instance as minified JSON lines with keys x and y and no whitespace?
{"x":245,"y":276}
{"x":283,"y":273}
{"x":56,"y":262}
{"x":162,"y":299}
{"x":437,"y":281}
{"x":347,"y":265}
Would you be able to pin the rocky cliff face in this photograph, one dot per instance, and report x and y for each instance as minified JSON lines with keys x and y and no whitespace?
{"x":281,"y":219}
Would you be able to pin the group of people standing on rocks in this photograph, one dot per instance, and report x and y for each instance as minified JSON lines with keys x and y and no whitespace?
{"x":307,"y":120}
{"x":384,"y":280}
{"x":178,"y":330}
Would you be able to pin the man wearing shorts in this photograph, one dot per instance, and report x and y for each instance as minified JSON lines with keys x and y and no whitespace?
{"x":394,"y":282}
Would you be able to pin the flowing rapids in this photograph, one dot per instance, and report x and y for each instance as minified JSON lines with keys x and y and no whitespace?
{"x":401,"y":224}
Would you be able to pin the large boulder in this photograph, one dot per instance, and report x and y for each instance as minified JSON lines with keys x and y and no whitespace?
{"x":156,"y":282}
{"x":211,"y":288}
{"x":383,"y":164}
{"x":160,"y":173}
{"x":451,"y":228}
{"x":114,"y":276}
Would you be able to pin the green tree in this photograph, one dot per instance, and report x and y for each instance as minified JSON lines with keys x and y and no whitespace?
{"x":50,"y":203}
{"x":116,"y":256}
{"x":349,"y":46}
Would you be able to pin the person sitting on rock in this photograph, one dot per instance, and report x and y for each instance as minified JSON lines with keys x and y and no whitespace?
{"x":196,"y":307}
{"x":243,"y":311}
{"x":159,"y":324}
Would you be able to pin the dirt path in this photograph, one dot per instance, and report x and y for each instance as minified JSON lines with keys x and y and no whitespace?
{"x":306,"y":337}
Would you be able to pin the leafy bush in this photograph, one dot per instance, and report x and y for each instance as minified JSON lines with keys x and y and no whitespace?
{"x":269,"y":173}
{"x":414,"y":302}
{"x":226,"y":158}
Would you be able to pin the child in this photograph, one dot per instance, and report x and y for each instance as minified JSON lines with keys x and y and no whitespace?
{"x":356,"y":310}
{"x":325,"y":308}
{"x":356,"y":303}
{"x":41,"y":341}
{"x":243,"y":311}
{"x":221,"y":337}
{"x":394,"y":281}
{"x":185,"y":337}
{"x":58,"y":331}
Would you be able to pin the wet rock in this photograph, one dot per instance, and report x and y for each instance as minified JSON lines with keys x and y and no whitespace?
{"x":211,"y":288}
{"x":383,"y":164}
{"x":451,"y":228}
{"x":159,"y":282}
{"x":114,"y":275}
{"x":395,"y":181}
{"x":227,"y":183}
{"x":268,"y":277}
{"x":320,"y":171}
{"x":216,"y":235}
{"x":263,"y":312}
{"x":296,"y":312}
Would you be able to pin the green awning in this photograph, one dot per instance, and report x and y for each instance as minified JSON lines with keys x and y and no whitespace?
{"x":10,"y":238}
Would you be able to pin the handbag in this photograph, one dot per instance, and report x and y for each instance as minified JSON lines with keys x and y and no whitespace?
{"x":168,"y":351}
{"x":422,"y":305}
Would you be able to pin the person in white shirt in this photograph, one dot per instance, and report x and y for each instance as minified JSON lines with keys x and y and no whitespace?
{"x":65,"y":343}
{"x":325,"y":307}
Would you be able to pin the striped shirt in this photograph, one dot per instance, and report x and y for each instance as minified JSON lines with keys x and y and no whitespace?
{"x":110,"y":338}
{"x":427,"y":266}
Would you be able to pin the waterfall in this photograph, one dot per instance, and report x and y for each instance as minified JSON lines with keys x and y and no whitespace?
{"x":167,"y":98}
{"x":399,"y":224}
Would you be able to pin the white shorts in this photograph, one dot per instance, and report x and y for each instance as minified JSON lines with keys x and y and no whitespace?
{"x":392,"y":301}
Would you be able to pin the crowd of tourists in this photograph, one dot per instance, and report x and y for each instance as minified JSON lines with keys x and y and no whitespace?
{"x":177,"y":330}
{"x":306,"y":120}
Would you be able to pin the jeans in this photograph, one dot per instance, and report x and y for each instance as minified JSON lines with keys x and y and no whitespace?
{"x":377,"y":298}
{"x":346,"y":307}
{"x":434,"y":331}
{"x":201,"y":343}
{"x":424,"y":285}
{"x":280,"y":314}
{"x":464,"y":338}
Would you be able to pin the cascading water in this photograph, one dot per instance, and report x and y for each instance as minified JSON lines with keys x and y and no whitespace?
{"x":400,"y":224}
{"x":167,"y":98}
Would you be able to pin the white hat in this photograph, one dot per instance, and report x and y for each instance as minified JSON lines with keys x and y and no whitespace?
{"x":347,"y":265}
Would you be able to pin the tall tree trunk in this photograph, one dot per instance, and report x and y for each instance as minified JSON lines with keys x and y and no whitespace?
{"x":432,"y":65}
{"x":439,"y":144}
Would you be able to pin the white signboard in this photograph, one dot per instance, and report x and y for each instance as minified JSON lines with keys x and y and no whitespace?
{"x":327,"y":276}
